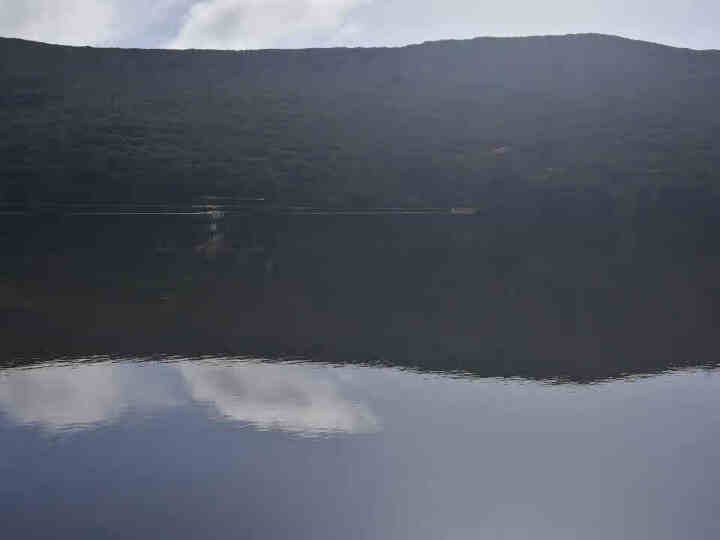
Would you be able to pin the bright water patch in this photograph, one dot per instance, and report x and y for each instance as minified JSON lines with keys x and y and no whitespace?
{"x":222,"y":447}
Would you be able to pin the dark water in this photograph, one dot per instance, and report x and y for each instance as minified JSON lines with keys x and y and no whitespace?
{"x":182,"y":373}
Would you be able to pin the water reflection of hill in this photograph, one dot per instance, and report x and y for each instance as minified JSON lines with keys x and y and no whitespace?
{"x":572,"y":299}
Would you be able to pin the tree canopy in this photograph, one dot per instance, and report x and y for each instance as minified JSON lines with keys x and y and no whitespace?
{"x":488,"y":122}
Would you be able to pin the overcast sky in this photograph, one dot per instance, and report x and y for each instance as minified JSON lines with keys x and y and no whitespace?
{"x":252,"y":24}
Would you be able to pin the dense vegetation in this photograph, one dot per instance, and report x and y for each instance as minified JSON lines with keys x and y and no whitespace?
{"x":489,"y":122}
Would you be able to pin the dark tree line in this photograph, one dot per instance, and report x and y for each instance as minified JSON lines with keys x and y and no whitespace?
{"x":584,"y":120}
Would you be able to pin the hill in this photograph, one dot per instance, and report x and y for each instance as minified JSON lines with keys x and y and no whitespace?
{"x":483,"y":122}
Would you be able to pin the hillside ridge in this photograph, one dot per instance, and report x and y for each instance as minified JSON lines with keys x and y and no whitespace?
{"x":492,"y":122}
{"x":476,"y":39}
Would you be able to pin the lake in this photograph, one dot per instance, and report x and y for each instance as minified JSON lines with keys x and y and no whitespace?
{"x":215,"y":372}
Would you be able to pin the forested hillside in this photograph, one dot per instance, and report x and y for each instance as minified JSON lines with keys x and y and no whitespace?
{"x":489,"y":122}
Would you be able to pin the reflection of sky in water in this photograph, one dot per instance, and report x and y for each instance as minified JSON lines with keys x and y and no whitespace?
{"x":455,"y":458}
{"x":287,"y":397}
{"x":80,"y":396}
{"x":59,"y":397}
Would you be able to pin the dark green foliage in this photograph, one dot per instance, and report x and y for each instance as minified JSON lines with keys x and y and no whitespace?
{"x":490,"y":122}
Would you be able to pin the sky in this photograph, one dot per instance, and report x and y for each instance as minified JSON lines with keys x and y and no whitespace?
{"x":257,"y":24}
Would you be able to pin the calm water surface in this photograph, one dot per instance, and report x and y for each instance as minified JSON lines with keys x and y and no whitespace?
{"x":220,"y":375}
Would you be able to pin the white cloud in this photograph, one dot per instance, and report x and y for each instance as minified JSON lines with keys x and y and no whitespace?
{"x":67,"y":22}
{"x":297,"y":399}
{"x":82,"y":22}
{"x":254,"y":24}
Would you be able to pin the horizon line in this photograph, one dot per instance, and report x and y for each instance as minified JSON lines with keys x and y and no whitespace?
{"x":366,"y":47}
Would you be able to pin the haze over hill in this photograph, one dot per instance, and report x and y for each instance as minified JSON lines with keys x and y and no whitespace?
{"x":488,"y":122}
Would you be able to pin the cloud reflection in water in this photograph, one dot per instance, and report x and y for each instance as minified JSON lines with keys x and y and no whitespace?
{"x":285,"y":397}
{"x":298,"y":399}
{"x":62,"y":397}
